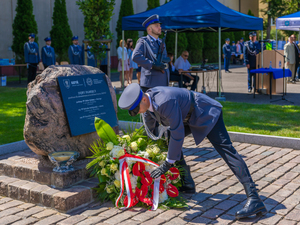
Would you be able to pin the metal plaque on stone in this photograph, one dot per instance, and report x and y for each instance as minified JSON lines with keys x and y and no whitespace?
{"x":85,"y":97}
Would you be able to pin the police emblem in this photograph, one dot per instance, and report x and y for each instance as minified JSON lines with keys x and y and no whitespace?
{"x":67,"y":83}
{"x":89,"y":81}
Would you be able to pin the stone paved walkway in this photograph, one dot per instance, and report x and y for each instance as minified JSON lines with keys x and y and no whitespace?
{"x":219,"y":194}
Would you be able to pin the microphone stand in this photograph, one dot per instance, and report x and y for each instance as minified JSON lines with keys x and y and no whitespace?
{"x":283,"y":92}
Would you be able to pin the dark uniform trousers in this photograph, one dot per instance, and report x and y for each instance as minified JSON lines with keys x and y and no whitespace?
{"x":219,"y":138}
{"x":31,"y":72}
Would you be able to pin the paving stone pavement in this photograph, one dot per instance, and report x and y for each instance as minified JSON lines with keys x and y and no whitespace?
{"x":219,"y":194}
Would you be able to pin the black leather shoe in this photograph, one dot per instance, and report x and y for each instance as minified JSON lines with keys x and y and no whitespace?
{"x":254,"y":204}
{"x":188,"y":182}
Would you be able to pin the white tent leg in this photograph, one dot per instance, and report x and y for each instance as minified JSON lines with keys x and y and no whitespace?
{"x":219,"y":98}
{"x":262,"y":62}
{"x":276,"y":41}
{"x":176,"y":40}
{"x":123,"y":81}
{"x":219,"y":62}
{"x":108,"y":61}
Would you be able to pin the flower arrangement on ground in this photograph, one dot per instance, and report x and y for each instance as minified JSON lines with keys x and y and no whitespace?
{"x":128,"y":160}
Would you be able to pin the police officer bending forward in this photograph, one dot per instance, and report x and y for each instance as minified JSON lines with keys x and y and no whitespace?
{"x":189,"y":112}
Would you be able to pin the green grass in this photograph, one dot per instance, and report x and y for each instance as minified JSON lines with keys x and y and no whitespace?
{"x":239,"y":117}
{"x":262,"y":119}
{"x":12,"y":114}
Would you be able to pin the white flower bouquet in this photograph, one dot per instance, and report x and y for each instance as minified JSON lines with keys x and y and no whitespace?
{"x":128,"y":161}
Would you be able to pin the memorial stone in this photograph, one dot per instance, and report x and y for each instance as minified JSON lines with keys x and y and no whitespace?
{"x":46,"y":128}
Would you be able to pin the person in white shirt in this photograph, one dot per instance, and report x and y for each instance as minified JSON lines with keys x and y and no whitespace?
{"x":126,"y":61}
{"x":182,"y":64}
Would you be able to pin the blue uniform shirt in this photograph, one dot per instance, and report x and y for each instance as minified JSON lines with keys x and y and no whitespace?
{"x":227,"y":50}
{"x":76,"y":55}
{"x":31,"y":52}
{"x":91,"y":59}
{"x":233,"y":49}
{"x":48,"y":55}
{"x":250,"y":51}
{"x":104,"y":61}
{"x":145,"y":54}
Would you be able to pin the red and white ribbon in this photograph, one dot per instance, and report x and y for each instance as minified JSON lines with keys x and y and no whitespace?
{"x":125,"y":177}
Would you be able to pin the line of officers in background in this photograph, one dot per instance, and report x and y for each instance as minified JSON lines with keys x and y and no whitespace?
{"x":75,"y":53}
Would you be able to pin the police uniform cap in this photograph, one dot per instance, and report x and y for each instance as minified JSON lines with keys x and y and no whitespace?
{"x":47,"y":39}
{"x":131,"y":98}
{"x":74,"y":38}
{"x":227,"y":39}
{"x":32,"y":35}
{"x":242,"y":38}
{"x":251,"y":34}
{"x":151,"y":20}
{"x":233,"y":41}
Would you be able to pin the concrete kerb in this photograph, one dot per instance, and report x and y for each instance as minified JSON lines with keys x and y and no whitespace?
{"x":13,"y":147}
{"x":258,"y":139}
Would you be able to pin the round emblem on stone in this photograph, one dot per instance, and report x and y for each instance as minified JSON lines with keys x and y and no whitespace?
{"x":89,"y":81}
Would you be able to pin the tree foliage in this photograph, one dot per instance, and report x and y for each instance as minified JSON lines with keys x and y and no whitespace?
{"x":276,"y":8}
{"x":24,"y":23}
{"x":60,"y":33}
{"x":126,"y":9}
{"x":153,"y":4}
{"x":182,"y":43}
{"x":195,"y":46}
{"x":292,"y":6}
{"x":97,"y":16}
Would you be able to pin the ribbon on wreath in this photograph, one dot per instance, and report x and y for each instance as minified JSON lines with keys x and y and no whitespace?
{"x":125,"y":178}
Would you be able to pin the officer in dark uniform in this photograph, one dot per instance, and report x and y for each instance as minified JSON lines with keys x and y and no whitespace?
{"x":227,"y":54}
{"x":91,"y":59}
{"x":145,"y":54}
{"x":32,"y":57}
{"x":187,"y":112}
{"x":76,"y":55}
{"x":48,"y":54}
{"x":242,"y":44}
{"x":250,"y":52}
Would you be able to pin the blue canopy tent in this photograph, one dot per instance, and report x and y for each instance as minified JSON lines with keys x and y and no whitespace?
{"x":288,"y":22}
{"x":195,"y":15}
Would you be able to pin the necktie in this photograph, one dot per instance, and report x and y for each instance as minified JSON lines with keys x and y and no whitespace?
{"x":157,"y":41}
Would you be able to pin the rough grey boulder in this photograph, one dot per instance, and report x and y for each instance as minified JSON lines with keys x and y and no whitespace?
{"x":46,"y":129}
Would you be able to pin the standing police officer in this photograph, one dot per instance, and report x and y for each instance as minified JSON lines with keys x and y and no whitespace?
{"x":75,"y":52}
{"x":187,"y":112}
{"x":227,"y":55}
{"x":250,"y":52}
{"x":48,"y":54}
{"x":145,"y":53}
{"x":32,"y":57}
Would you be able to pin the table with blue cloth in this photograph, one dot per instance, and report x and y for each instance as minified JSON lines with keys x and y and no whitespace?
{"x":277,"y":74}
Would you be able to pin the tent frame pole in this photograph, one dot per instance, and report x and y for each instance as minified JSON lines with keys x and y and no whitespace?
{"x":276,"y":40}
{"x":262,"y":60}
{"x":219,"y":88}
{"x":176,"y":40}
{"x":123,"y":82}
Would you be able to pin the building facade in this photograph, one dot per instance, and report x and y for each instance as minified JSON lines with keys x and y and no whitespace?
{"x":43,"y":10}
